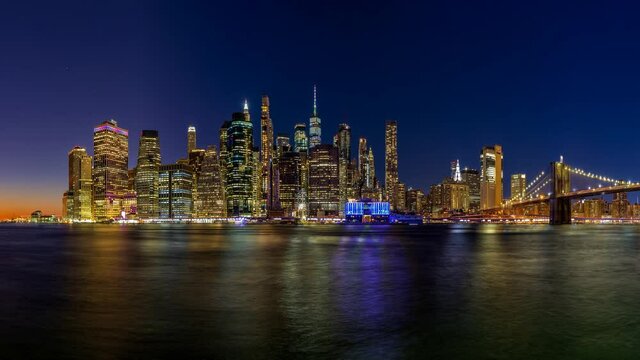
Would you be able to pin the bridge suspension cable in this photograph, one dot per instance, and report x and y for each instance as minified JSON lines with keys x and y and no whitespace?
{"x":600,"y":177}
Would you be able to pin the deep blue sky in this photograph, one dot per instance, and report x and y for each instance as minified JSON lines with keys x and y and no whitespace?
{"x":542,"y":79}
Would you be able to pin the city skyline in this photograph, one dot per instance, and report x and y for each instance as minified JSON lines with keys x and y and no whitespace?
{"x":438,"y":79}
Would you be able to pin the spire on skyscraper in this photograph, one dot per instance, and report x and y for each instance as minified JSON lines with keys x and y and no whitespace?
{"x":315,"y":105}
{"x":246,"y":106}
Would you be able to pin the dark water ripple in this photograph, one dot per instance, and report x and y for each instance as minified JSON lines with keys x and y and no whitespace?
{"x":352,"y":292}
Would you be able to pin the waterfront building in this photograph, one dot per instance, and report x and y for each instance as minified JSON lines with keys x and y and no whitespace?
{"x":224,"y":155}
{"x":491,"y":176}
{"x":300,"y":140}
{"x":620,"y":206}
{"x":400,"y":197}
{"x":314,"y":123}
{"x":324,"y":190}
{"x":210,"y":202}
{"x":391,"y":163}
{"x":594,"y":208}
{"x":174,"y":195}
{"x":195,"y":159}
{"x":146,"y":179}
{"x":435,"y":201}
{"x":191,"y":139}
{"x":471,"y":177}
{"x":77,"y":201}
{"x":290,"y":182}
{"x":367,"y":211}
{"x":256,"y":182}
{"x":415,"y":201}
{"x":518,"y":186}
{"x":110,"y":169}
{"x":239,"y":166}
{"x":343,"y":143}
{"x":266,"y":155}
{"x":455,"y":196}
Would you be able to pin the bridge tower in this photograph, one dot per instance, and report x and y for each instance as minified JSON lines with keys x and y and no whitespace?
{"x":560,"y":207}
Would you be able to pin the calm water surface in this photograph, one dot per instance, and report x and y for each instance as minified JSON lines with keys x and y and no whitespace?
{"x":352,"y":292}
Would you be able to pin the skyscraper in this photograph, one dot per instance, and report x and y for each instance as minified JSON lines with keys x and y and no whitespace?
{"x":174,"y":195}
{"x":324,"y":193}
{"x":146,"y":179}
{"x":290,"y":181}
{"x":266,"y":153}
{"x":256,"y":182}
{"x":391,"y":162}
{"x":239,"y":174}
{"x":455,"y":171}
{"x":300,"y":140}
{"x":518,"y":186}
{"x":110,"y":169}
{"x":78,"y":198}
{"x":343,"y":143}
{"x":471,"y":177}
{"x":314,"y":124}
{"x":191,"y":139}
{"x":491,"y":177}
{"x":210,"y":202}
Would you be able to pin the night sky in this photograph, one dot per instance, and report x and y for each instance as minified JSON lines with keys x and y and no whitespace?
{"x":542,"y":79}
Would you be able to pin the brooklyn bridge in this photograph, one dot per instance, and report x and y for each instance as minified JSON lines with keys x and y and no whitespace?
{"x":554,"y":191}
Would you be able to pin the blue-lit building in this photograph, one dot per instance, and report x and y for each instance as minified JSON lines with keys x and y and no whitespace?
{"x":367,"y":211}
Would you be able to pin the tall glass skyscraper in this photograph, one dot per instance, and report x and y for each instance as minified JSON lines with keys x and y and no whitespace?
{"x":146,"y":179}
{"x":314,"y":124}
{"x":110,"y":169}
{"x":300,"y":140}
{"x":239,"y":166}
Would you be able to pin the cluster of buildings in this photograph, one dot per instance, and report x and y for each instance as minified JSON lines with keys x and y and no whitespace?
{"x":281,"y":177}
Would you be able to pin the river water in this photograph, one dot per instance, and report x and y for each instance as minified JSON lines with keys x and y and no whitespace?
{"x":334,"y":292}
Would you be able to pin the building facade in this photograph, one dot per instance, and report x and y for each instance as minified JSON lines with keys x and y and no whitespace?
{"x":518,"y":186}
{"x":78,"y":200}
{"x":315,"y":123}
{"x":175,"y":187}
{"x":147,"y":175}
{"x":239,"y":166}
{"x":110,"y":169}
{"x":210,"y":202}
{"x":391,"y":163}
{"x":324,"y":190}
{"x":491,"y":177}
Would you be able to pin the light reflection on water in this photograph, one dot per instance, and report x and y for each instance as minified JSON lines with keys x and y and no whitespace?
{"x":449,"y":291}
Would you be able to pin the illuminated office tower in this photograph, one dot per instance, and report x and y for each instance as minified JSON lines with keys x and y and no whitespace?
{"x":300,"y":140}
{"x":400,"y":195}
{"x":174,"y":195}
{"x":324,"y":192}
{"x":471,"y":177}
{"x":224,"y":154}
{"x":343,"y":143}
{"x":266,"y":154}
{"x":363,"y":160}
{"x":195,"y":159}
{"x":210,"y":202}
{"x":283,"y":144}
{"x":239,"y":166}
{"x":290,"y":181}
{"x":191,"y":139}
{"x":491,"y":177}
{"x":78,"y":199}
{"x":314,"y":124}
{"x":146,"y":179}
{"x":391,"y":162}
{"x":620,"y":206}
{"x":518,"y":186}
{"x":415,"y":200}
{"x":110,"y":169}
{"x":256,"y":182}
